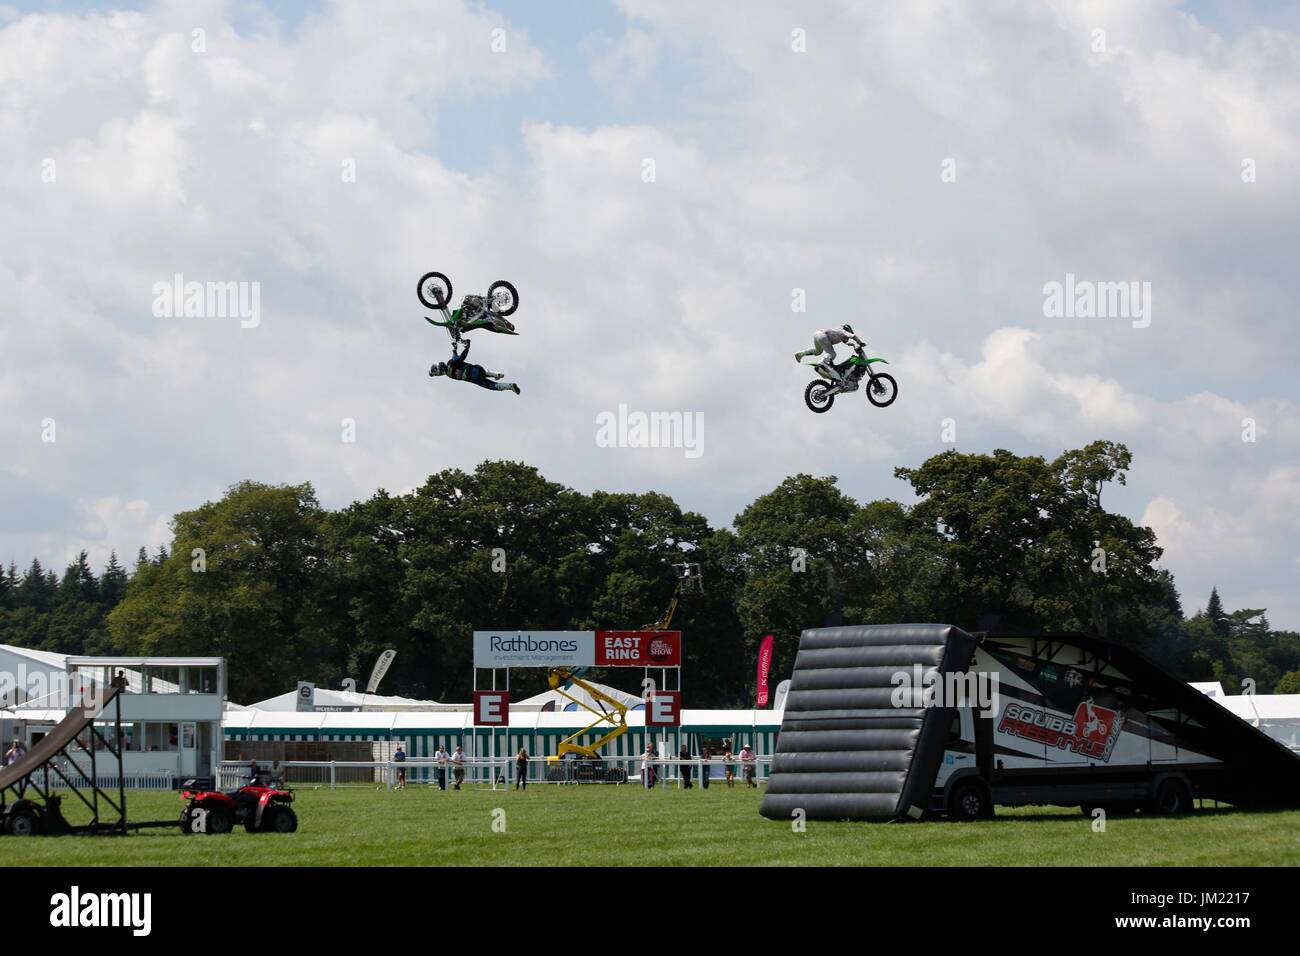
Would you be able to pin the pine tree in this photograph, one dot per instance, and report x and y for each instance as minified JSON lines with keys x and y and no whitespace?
{"x":38,"y":588}
{"x":79,"y":585}
{"x":1216,"y":615}
{"x":141,"y":559}
{"x":112,"y":586}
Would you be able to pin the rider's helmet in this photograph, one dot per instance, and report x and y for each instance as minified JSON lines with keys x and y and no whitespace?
{"x":848,"y":329}
{"x":441,"y":368}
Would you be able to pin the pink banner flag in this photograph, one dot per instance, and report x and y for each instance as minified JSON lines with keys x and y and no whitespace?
{"x":764,"y":668}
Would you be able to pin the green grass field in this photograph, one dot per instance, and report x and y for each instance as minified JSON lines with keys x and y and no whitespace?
{"x":628,"y":826}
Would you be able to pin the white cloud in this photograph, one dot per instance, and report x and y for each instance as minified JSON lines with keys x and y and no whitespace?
{"x":774,"y":171}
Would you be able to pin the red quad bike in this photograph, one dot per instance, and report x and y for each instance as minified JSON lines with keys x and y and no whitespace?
{"x":260,"y":809}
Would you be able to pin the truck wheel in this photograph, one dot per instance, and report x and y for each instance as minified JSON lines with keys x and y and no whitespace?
{"x":22,"y":823}
{"x":970,"y":800}
{"x":1172,"y":798}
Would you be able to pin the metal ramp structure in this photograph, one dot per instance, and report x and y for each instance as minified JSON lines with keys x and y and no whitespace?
{"x":52,"y":760}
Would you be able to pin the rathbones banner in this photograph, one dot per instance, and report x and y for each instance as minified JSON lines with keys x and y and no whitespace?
{"x":577,"y":648}
{"x":534,"y":648}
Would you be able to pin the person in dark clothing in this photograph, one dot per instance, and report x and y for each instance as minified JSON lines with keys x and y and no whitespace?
{"x":685,"y":754}
{"x":399,"y":756}
{"x":705,"y":754}
{"x":521,"y":769}
{"x":463,"y":371}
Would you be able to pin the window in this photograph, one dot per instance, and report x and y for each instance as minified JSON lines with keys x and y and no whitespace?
{"x":199,"y":680}
{"x":160,"y":737}
{"x":163,"y":680}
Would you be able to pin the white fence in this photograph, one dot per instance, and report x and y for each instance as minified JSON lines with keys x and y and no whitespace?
{"x":501,"y":772}
{"x":109,"y":781}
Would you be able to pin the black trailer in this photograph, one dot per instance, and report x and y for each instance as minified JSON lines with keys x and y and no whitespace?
{"x":888,"y":722}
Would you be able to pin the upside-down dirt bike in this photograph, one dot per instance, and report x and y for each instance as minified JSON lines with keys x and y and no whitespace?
{"x":487,"y":312}
{"x":820,"y":394}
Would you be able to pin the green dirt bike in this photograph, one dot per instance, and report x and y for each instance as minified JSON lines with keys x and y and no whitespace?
{"x":820,"y":393}
{"x":487,"y":312}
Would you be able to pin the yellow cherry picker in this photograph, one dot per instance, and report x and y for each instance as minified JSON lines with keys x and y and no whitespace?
{"x":608,"y":711}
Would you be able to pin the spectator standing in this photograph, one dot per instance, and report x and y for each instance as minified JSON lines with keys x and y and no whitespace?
{"x":705,"y":756}
{"x":648,"y":766}
{"x":685,"y":754}
{"x":521,"y":769}
{"x":458,"y":766}
{"x":399,"y":756}
{"x":442,"y":757}
{"x":15,"y":753}
{"x":748,"y":765}
{"x":729,"y":766}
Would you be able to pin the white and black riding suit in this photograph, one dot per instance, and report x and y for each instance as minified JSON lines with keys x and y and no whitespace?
{"x":824,"y":343}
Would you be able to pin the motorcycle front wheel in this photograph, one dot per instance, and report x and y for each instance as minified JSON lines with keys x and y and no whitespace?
{"x":817,"y":396}
{"x":882,"y":390}
{"x":434,"y":290}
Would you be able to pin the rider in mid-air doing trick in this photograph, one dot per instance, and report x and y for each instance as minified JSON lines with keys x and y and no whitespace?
{"x":486,"y":312}
{"x":463,"y":371}
{"x":824,"y":343}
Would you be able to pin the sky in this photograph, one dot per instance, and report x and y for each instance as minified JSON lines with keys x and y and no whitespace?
{"x":682,"y":194}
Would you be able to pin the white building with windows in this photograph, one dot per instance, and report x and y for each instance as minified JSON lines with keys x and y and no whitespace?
{"x":172,"y":707}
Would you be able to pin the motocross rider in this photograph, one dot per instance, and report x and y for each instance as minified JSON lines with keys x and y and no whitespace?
{"x":824,"y":343}
{"x":463,"y":371}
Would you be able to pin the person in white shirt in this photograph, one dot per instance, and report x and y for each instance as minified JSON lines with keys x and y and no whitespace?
{"x":442,"y":757}
{"x":824,"y":343}
{"x":748,"y":764}
{"x":458,"y":766}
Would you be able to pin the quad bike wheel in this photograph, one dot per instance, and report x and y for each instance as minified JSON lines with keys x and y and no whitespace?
{"x":434,"y":290}
{"x":882,"y":390}
{"x":279,"y":819}
{"x":817,"y":396}
{"x":503,"y":298}
{"x":219,"y":820}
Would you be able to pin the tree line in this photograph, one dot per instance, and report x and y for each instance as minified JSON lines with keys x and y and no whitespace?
{"x":288,"y":590}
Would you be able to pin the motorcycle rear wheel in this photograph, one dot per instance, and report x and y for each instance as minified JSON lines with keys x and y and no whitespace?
{"x":816,"y":396}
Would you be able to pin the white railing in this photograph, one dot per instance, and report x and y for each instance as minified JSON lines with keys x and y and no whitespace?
{"x":138,"y":780}
{"x":498,"y":772}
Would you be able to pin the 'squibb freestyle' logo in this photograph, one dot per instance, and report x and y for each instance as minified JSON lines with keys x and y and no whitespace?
{"x":76,"y":909}
{"x":1092,"y":733}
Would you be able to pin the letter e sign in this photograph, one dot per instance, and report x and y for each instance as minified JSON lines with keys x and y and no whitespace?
{"x":491,"y":708}
{"x":663,"y":708}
